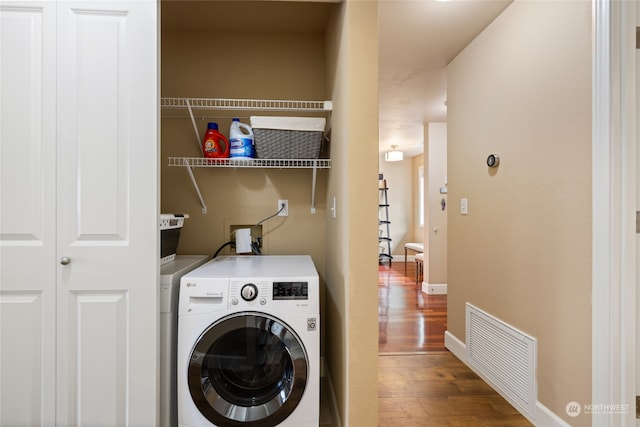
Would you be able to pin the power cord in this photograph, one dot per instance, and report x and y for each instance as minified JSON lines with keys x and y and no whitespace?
{"x":282,"y":207}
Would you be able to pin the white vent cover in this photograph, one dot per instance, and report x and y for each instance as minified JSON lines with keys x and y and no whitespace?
{"x":504,"y":356}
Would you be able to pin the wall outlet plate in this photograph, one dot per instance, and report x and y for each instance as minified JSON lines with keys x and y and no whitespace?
{"x":285,"y":211}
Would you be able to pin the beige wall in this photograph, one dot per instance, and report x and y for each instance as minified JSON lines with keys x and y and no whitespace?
{"x":435,"y":230}
{"x":215,"y":64}
{"x":522,"y":90}
{"x":402,"y":187}
{"x":351,"y":303}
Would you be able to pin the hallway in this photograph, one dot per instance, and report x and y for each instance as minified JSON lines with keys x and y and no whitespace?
{"x":420,"y":382}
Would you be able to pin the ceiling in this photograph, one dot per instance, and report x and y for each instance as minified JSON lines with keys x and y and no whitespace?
{"x":417,"y":39}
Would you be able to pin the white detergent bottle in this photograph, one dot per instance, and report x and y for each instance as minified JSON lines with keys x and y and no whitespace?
{"x":241,"y":140}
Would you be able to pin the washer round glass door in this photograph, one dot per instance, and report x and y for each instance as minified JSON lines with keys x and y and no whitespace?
{"x":247,"y":369}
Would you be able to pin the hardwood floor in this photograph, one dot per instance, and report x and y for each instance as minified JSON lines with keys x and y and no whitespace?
{"x":420,"y":382}
{"x":408,"y":319}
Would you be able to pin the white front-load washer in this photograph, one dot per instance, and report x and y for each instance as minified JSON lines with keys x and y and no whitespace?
{"x":249,"y":343}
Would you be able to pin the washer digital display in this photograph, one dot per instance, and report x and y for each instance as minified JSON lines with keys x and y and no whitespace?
{"x":290,"y":290}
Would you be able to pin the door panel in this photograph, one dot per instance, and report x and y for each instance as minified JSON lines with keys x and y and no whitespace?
{"x":95,"y":95}
{"x":27,"y":213}
{"x":107,"y":212}
{"x":99,"y":327}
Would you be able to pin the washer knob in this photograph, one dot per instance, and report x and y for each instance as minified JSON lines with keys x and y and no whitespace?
{"x":249,"y":292}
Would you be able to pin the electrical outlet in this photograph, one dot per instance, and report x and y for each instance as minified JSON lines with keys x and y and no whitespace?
{"x":285,"y":211}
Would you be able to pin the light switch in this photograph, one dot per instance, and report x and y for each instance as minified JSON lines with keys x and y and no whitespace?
{"x":333,"y":208}
{"x":464,"y":208}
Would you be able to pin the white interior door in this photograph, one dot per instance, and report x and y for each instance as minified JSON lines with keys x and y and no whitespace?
{"x":78,"y":212}
{"x":27,"y":213}
{"x":107,"y":159}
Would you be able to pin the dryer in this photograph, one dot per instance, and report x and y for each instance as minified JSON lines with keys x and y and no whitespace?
{"x":170,"y":274}
{"x":249,"y":343}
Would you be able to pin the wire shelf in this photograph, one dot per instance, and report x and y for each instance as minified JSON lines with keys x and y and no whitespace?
{"x":251,"y":163}
{"x":199,"y":107}
{"x":180,"y":107}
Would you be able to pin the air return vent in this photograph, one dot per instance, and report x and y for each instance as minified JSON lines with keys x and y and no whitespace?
{"x":504,"y":356}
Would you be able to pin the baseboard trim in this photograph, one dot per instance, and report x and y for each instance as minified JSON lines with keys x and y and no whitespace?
{"x":455,"y":346}
{"x":544,"y":417}
{"x":434,"y":289}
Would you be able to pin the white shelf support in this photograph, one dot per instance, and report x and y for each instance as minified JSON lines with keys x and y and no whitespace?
{"x":195,"y":186}
{"x":313,"y":189}
{"x":195,"y":127}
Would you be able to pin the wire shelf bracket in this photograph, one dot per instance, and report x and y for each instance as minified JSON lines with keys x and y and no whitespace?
{"x":195,"y":186}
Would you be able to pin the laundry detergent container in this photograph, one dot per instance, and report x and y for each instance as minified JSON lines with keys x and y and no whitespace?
{"x":287,"y":137}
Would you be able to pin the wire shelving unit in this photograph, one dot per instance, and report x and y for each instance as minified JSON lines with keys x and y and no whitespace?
{"x":199,"y":107}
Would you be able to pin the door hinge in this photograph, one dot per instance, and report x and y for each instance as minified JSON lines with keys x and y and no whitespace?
{"x":638,"y":407}
{"x":637,"y":37}
{"x":637,"y":222}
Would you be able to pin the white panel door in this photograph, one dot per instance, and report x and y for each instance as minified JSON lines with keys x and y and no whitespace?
{"x":78,"y":212}
{"x":107,"y":159}
{"x":27,"y":213}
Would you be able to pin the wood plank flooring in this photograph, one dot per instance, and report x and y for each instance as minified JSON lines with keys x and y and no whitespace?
{"x":408,"y":319}
{"x":420,"y":382}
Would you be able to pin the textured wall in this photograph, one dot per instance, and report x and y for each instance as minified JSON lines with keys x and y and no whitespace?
{"x":522,"y":90}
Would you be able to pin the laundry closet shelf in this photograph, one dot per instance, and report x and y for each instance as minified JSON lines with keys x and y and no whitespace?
{"x":199,"y":162}
{"x":199,"y":107}
{"x":189,"y":107}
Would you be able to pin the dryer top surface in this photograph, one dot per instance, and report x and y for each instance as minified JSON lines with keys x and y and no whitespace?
{"x":272,"y":266}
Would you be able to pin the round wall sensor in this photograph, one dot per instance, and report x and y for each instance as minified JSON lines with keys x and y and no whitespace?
{"x":493,"y":160}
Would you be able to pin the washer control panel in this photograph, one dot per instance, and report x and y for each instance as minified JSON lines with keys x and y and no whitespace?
{"x":254,"y":292}
{"x":246,"y":293}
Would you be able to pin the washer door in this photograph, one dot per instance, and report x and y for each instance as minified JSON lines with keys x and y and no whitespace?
{"x":247,"y":369}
